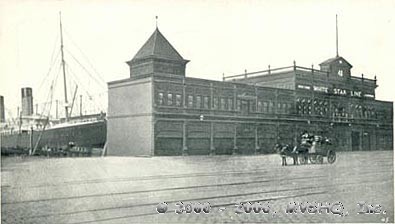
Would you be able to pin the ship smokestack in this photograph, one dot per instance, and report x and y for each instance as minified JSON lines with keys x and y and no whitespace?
{"x":2,"y":113}
{"x":27,"y":101}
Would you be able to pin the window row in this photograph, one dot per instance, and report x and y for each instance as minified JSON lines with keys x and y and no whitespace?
{"x":269,"y":107}
{"x":359,"y":111}
{"x":171,"y":99}
{"x":304,"y":106}
{"x":198,"y":102}
{"x":223,"y":103}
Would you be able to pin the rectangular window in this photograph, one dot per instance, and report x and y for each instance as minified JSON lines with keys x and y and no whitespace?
{"x":271,"y":107}
{"x":170,"y":99}
{"x":215,"y":103}
{"x":264,"y":107}
{"x":205,"y":102}
{"x":252,"y":106}
{"x":230,"y":103}
{"x":198,"y":101}
{"x":259,"y":109}
{"x":178,"y":100}
{"x":223,"y":104}
{"x":238,"y":105}
{"x":190,"y":101}
{"x":160,"y":98}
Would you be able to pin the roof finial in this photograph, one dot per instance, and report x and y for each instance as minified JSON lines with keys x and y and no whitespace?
{"x":337,"y":40}
{"x":156,"y":21}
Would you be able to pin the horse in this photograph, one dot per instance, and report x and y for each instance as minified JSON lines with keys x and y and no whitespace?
{"x":285,"y":150}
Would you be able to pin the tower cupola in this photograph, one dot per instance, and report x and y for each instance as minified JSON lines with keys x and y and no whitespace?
{"x":157,"y":56}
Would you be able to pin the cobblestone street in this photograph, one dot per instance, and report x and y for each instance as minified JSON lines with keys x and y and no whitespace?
{"x":128,"y":190}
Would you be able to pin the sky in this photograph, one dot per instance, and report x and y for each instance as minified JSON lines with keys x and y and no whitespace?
{"x":216,"y":36}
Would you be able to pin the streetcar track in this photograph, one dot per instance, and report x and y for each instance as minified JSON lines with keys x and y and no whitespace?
{"x":149,"y":214}
{"x":158,"y":190}
{"x":168,"y":189}
{"x":143,"y":178}
{"x":174,"y":201}
{"x":193,"y":199}
{"x":153,"y":177}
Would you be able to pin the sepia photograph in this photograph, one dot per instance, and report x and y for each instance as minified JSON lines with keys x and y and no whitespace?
{"x":132,"y":111}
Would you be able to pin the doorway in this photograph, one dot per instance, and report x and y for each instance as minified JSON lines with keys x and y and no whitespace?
{"x":366,"y":141}
{"x":355,"y":141}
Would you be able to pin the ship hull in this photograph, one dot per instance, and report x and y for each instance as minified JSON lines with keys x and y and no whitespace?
{"x":84,"y":135}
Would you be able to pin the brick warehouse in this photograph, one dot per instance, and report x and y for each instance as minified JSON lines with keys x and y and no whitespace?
{"x":160,"y":111}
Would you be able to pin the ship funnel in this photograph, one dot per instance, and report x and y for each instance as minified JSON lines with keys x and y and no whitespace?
{"x":2,"y":113}
{"x":27,"y":101}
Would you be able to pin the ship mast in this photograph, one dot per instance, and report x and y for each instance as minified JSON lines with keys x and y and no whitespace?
{"x":63,"y":68}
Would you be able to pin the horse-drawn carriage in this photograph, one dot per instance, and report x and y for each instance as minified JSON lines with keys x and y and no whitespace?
{"x":313,"y":148}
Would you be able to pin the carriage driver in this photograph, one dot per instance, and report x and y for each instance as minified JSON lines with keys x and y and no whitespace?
{"x":307,"y":139}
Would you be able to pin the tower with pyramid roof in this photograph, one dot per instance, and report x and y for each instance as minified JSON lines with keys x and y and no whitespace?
{"x":157,"y":56}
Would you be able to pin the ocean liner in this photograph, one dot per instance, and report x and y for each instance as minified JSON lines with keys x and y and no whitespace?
{"x":42,"y":134}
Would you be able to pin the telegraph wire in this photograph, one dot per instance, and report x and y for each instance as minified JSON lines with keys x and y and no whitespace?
{"x":97,"y":106}
{"x":53,"y":85}
{"x":84,"y":68}
{"x":52,"y":61}
{"x":49,"y":71}
{"x":84,"y":55}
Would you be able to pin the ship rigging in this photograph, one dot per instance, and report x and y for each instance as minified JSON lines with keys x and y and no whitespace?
{"x":42,"y":133}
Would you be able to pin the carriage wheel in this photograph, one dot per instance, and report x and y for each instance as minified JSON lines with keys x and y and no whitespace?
{"x":313,"y":158}
{"x":331,"y":156}
{"x":320,"y":159}
{"x":302,"y":159}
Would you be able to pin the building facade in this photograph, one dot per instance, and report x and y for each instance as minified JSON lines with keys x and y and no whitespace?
{"x":160,"y":111}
